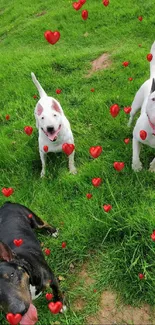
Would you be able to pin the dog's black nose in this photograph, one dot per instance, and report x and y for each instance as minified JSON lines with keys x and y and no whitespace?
{"x":50,"y":129}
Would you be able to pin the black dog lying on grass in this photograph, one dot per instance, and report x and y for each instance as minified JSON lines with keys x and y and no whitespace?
{"x":24,"y":273}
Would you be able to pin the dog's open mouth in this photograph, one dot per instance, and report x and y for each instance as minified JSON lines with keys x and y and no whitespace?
{"x":30,"y":318}
{"x":52,"y":136}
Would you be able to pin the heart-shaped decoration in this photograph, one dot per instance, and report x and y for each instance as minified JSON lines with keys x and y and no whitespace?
{"x":153,"y":235}
{"x":7,"y":191}
{"x":127,"y":140}
{"x":84,"y":14}
{"x":114,"y":110}
{"x":47,"y":251}
{"x":127,"y":110}
{"x":130,"y":79}
{"x":52,"y":37}
{"x":92,"y":90}
{"x":89,"y":195}
{"x":77,"y":5}
{"x":45,"y":148}
{"x":96,"y":181}
{"x":82,"y":2}
{"x":58,"y":91}
{"x":7,"y":117}
{"x":149,"y":57}
{"x":30,"y":216}
{"x":63,"y":245}
{"x":55,"y":307}
{"x":107,"y":207}
{"x":105,"y":3}
{"x":68,"y":148}
{"x":141,"y":276}
{"x":143,"y":134}
{"x":95,"y":151}
{"x":18,"y":242}
{"x":140,"y":18}
{"x":35,"y":96}
{"x":49,"y":296}
{"x":28,"y":130}
{"x":13,"y":319}
{"x":125,"y":63}
{"x":118,"y":165}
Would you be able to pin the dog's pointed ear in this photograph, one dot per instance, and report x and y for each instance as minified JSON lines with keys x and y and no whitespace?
{"x":5,"y":252}
{"x":56,"y":106}
{"x":153,"y":86}
{"x":39,"y":109}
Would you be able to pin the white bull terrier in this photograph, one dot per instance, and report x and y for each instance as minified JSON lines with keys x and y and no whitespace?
{"x":54,"y":128}
{"x":144,"y":99}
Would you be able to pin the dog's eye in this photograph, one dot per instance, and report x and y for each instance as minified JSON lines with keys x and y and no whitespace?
{"x":12,"y":274}
{"x":55,"y":115}
{"x":153,"y":99}
{"x":42,"y":118}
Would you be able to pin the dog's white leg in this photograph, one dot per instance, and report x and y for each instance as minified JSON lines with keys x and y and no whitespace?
{"x":152,"y":166}
{"x":136,"y":163}
{"x":137,"y":103}
{"x":43,"y":161}
{"x":72,"y":167}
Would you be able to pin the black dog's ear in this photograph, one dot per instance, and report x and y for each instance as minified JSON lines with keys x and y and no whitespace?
{"x":153,"y":86}
{"x":5,"y":252}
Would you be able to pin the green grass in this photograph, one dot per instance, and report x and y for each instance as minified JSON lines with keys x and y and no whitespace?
{"x":117,"y":244}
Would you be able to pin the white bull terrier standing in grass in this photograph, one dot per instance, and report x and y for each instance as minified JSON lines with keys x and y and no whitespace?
{"x":54,"y":128}
{"x":144,"y":99}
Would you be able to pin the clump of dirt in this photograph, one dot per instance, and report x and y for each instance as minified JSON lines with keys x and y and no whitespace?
{"x":112,"y":312}
{"x":100,"y":63}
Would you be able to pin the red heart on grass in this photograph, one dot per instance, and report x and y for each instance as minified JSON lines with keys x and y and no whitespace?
{"x":127,"y":140}
{"x":77,"y":5}
{"x":92,"y":90}
{"x":153,"y":235}
{"x":58,"y":91}
{"x":141,"y":276}
{"x":82,"y":2}
{"x":114,"y":110}
{"x":143,"y":134}
{"x":125,"y":63}
{"x":30,"y":216}
{"x":127,"y":110}
{"x":28,"y":130}
{"x":95,"y":151}
{"x":118,"y":165}
{"x":13,"y":319}
{"x":18,"y":242}
{"x":63,"y":245}
{"x":52,"y":37}
{"x":68,"y":148}
{"x":55,"y":307}
{"x":47,"y":251}
{"x":7,"y":117}
{"x":45,"y":148}
{"x":107,"y":207}
{"x":35,"y":96}
{"x":149,"y":57}
{"x":140,"y":18}
{"x":89,"y":195}
{"x":84,"y":14}
{"x":7,"y":191}
{"x":96,"y":181}
{"x":105,"y":3}
{"x":49,"y":296}
{"x":130,"y":79}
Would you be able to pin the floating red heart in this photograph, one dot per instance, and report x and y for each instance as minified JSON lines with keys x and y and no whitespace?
{"x":127,"y":140}
{"x":125,"y":63}
{"x":35,"y":96}
{"x":140,"y":18}
{"x":95,"y":151}
{"x":114,"y":110}
{"x":28,"y":130}
{"x":68,"y":148}
{"x":55,"y":307}
{"x":92,"y":90}
{"x":77,"y":5}
{"x":143,"y":134}
{"x":127,"y":110}
{"x":84,"y":14}
{"x":7,"y":117}
{"x":89,"y":195}
{"x":149,"y":57}
{"x":96,"y":181}
{"x":45,"y":148}
{"x":47,"y":251}
{"x":52,"y":37}
{"x":58,"y":91}
{"x":107,"y":207}
{"x":63,"y":245}
{"x":130,"y":79}
{"x":49,"y":296}
{"x":82,"y":2}
{"x":30,"y":216}
{"x":153,"y":235}
{"x":118,"y":165}
{"x":13,"y":319}
{"x":18,"y":242}
{"x":105,"y":3}
{"x":141,"y":276}
{"x":7,"y":191}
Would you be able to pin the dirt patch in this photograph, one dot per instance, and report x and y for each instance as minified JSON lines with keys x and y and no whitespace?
{"x":113,"y":312}
{"x":83,"y":275}
{"x":79,"y":304}
{"x":100,"y":63}
{"x":41,"y":13}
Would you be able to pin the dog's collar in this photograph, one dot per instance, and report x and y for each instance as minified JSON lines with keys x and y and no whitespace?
{"x":152,"y":125}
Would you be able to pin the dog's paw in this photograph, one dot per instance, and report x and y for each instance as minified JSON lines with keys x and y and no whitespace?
{"x":73,"y":171}
{"x":55,"y":234}
{"x":42,"y":174}
{"x":63,"y":309}
{"x":137,"y":166}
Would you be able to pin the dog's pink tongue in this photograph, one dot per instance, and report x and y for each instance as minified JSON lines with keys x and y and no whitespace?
{"x":54,"y":135}
{"x":31,"y":317}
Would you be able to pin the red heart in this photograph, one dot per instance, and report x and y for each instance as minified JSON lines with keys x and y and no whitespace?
{"x":82,"y":2}
{"x":45,"y":148}
{"x":92,"y":90}
{"x":63,"y":245}
{"x":7,"y":191}
{"x":55,"y":307}
{"x":114,"y":110}
{"x":18,"y":242}
{"x":28,"y":130}
{"x":130,"y":79}
{"x":96,"y":181}
{"x":13,"y":319}
{"x":52,"y":37}
{"x":143,"y":134}
{"x":89,"y":195}
{"x":107,"y":207}
{"x":68,"y":148}
{"x":7,"y":117}
{"x":127,"y":110}
{"x":84,"y":14}
{"x":77,"y":5}
{"x":118,"y":165}
{"x":149,"y":57}
{"x":127,"y":140}
{"x":35,"y":96}
{"x":141,"y":276}
{"x":140,"y":18}
{"x":125,"y":63}
{"x":47,"y":251}
{"x":49,"y":296}
{"x":153,"y":236}
{"x":58,"y":91}
{"x":95,"y":151}
{"x":30,"y":216}
{"x":105,"y":3}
